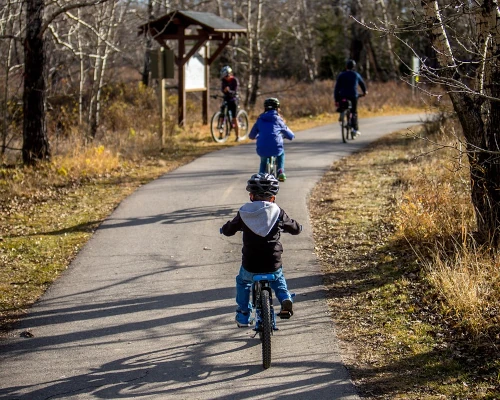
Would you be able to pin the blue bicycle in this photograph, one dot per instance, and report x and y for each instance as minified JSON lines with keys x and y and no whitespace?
{"x":265,"y":318}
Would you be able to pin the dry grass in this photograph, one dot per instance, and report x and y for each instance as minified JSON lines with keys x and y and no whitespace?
{"x":416,"y":306}
{"x":303,"y":100}
{"x":434,"y":215}
{"x":468,"y":285}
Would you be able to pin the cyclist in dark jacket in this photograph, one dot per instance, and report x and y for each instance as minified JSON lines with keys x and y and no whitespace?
{"x":346,"y":87}
{"x":262,"y":222}
{"x":229,"y":88}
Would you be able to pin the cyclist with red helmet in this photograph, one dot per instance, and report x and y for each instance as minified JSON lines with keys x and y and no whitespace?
{"x":229,"y":88}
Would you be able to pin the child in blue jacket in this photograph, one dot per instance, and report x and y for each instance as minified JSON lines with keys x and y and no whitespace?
{"x":269,"y":130}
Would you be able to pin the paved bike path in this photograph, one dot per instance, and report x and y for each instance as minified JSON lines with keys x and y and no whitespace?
{"x":146,"y":310}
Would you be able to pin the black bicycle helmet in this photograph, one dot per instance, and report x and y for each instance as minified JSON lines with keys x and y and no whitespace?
{"x":350,"y":64}
{"x":263,"y":184}
{"x":271,"y":103}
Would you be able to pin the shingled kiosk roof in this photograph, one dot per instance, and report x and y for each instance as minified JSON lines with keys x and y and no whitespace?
{"x":203,"y":27}
{"x":169,"y":25}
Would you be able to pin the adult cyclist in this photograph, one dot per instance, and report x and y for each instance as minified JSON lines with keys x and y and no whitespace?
{"x":346,"y":87}
{"x":229,"y":88}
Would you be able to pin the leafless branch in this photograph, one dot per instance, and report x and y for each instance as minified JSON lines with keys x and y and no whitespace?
{"x":67,"y":8}
{"x":12,"y":37}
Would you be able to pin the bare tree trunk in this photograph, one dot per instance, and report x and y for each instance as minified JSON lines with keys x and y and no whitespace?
{"x":372,"y":59}
{"x":478,"y":112}
{"x":309,"y":47}
{"x":219,"y":8}
{"x":82,"y":71}
{"x":356,"y":41}
{"x":388,"y":39}
{"x":257,"y":63}
{"x":250,"y":38}
{"x":149,"y":45}
{"x":103,"y":52}
{"x":5,"y":99}
{"x":35,"y":140}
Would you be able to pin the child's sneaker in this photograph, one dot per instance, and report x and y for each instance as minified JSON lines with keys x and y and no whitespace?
{"x":242,"y":325}
{"x":286,"y":309}
{"x":243,"y":321}
{"x":281,"y":175}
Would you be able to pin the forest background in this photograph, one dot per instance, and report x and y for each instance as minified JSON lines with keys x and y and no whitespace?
{"x":93,"y":53}
{"x":100,"y":139}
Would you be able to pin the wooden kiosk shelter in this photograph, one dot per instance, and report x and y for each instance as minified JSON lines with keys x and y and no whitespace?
{"x":192,"y":30}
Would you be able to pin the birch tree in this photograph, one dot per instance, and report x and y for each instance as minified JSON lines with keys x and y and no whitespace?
{"x":254,"y":38}
{"x":303,"y":29}
{"x":106,"y":33}
{"x":389,"y":39}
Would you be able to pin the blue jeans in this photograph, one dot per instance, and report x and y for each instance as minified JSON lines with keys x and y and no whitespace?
{"x":244,"y":287}
{"x":280,"y":162}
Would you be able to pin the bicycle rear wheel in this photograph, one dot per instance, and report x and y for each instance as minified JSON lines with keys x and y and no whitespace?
{"x":345,"y":126}
{"x":242,"y":120}
{"x":271,"y":167}
{"x":267,"y":329}
{"x":220,"y":127}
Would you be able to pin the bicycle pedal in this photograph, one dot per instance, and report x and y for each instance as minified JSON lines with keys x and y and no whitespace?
{"x":284,"y":314}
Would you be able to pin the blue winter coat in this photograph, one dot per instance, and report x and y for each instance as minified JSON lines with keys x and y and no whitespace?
{"x":346,"y":86}
{"x":269,"y":130}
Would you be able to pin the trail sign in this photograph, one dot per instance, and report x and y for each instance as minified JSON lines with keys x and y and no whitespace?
{"x":162,"y":63}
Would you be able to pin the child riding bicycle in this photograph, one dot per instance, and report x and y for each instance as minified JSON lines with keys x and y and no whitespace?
{"x":269,"y":130}
{"x":262,"y":222}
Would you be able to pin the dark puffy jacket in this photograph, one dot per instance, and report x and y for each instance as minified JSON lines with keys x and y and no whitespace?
{"x":261,"y":223}
{"x":269,"y":130}
{"x":346,"y":86}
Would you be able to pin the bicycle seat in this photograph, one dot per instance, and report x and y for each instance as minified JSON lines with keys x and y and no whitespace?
{"x":264,"y":277}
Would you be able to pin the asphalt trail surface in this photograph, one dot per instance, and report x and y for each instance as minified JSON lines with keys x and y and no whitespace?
{"x":146,"y":310}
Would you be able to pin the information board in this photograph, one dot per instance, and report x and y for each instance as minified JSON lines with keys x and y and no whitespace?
{"x":195,"y":72}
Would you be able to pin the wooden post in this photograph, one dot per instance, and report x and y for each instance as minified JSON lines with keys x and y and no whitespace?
{"x":162,"y":95}
{"x":163,"y":111}
{"x":181,"y":90}
{"x":206,"y":93}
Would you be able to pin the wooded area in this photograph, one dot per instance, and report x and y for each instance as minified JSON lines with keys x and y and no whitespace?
{"x":73,"y":50}
{"x":61,"y":62}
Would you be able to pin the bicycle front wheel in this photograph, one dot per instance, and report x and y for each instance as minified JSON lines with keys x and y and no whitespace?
{"x":242,"y":120}
{"x":267,"y":329}
{"x":220,"y":127}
